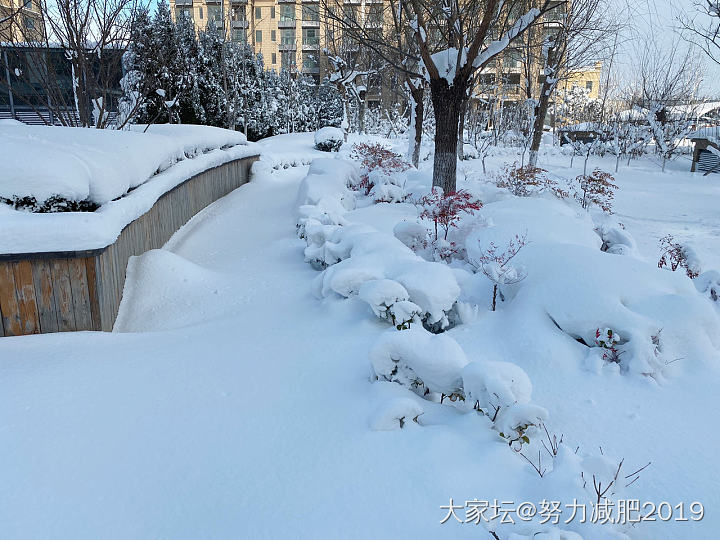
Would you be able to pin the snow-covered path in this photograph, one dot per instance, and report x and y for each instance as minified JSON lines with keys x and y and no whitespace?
{"x":244,"y":415}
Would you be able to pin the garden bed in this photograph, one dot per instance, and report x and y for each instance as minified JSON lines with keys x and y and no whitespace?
{"x":66,"y":271}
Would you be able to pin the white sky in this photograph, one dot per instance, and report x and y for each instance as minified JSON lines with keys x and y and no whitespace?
{"x":657,"y":20}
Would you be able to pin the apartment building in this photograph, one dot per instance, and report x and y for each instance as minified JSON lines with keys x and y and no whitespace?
{"x":288,"y":33}
{"x":21,"y":21}
{"x":291,"y":34}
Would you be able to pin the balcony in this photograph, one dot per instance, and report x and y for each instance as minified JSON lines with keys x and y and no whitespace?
{"x":288,"y":23}
{"x":239,"y":24}
{"x":287,"y":46}
{"x":311,"y":70}
{"x":213,"y":2}
{"x":238,"y":2}
{"x":286,"y":1}
{"x":311,"y":46}
{"x":183,"y":2}
{"x":310,"y":24}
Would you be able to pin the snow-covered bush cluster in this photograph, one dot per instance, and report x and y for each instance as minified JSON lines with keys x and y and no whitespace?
{"x":329,"y":139}
{"x":382,"y":171}
{"x":528,"y":181}
{"x":351,"y":255}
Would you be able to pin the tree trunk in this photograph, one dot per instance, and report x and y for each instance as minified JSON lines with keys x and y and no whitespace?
{"x":362,"y":105}
{"x":417,"y":117}
{"x":447,"y":102}
{"x":461,"y":129}
{"x":540,"y":114}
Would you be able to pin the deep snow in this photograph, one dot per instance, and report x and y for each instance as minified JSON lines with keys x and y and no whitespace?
{"x":244,"y":408}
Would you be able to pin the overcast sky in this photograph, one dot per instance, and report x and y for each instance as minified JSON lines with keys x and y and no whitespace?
{"x":658,"y":20}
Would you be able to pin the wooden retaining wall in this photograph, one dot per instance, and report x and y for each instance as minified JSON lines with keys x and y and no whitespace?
{"x":69,"y":291}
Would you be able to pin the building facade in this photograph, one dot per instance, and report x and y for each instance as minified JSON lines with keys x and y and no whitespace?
{"x":287,"y":33}
{"x":20,"y":21}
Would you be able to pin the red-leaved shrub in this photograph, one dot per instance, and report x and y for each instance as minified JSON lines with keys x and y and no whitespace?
{"x":375,"y":157}
{"x":444,"y":210}
{"x":675,"y":255}
{"x":597,"y":189}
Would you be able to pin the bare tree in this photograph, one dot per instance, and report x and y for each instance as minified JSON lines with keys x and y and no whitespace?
{"x":578,"y":35}
{"x":703,"y":27}
{"x":454,"y":40}
{"x":91,"y":36}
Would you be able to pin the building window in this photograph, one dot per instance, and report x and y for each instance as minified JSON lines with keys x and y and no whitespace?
{"x":274,"y":58}
{"x":239,"y":35}
{"x":376,"y":14}
{"x":258,"y":36}
{"x":310,"y":61}
{"x":183,"y":13}
{"x":238,"y":14}
{"x":287,"y":59}
{"x":310,"y":12}
{"x":27,"y":4}
{"x":350,"y":13}
{"x":258,"y":13}
{"x":214,"y":14}
{"x":201,"y":13}
{"x":273,"y":35}
{"x":589,"y":85}
{"x":272,"y":12}
{"x":287,"y":12}
{"x":513,"y":59}
{"x":29,"y":23}
{"x":311,"y":36}
{"x":287,"y":36}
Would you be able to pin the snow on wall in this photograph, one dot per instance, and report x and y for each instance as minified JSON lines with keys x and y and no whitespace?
{"x":103,"y":165}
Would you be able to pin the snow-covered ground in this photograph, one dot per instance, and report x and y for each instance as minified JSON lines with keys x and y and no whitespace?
{"x":231,"y":402}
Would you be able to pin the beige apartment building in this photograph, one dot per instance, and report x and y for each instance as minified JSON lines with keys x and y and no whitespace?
{"x":291,"y":34}
{"x":287,"y":33}
{"x":20,"y":21}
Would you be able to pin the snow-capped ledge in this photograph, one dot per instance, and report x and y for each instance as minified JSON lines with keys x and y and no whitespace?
{"x":188,"y":151}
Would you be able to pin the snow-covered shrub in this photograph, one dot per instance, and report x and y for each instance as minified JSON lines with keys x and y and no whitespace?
{"x":53,"y":204}
{"x":675,"y":255}
{"x":413,"y":234}
{"x":502,"y":391}
{"x":444,"y":211}
{"x":395,"y":414}
{"x":389,"y":300}
{"x":329,"y":139}
{"x":518,"y":422}
{"x":496,"y":265}
{"x":708,"y":283}
{"x":616,"y":239}
{"x":528,"y":181}
{"x":490,"y":386}
{"x":596,"y":189}
{"x":380,"y":172}
{"x":607,"y":339}
{"x":323,"y":195}
{"x":419,"y":360}
{"x":354,"y":254}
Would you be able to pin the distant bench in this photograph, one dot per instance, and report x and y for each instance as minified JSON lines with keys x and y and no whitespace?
{"x":81,"y":290}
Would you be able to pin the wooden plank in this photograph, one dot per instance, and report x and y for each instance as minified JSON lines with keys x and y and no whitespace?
{"x":44,"y":297}
{"x":63,"y":295}
{"x":25,"y":291}
{"x":93,"y":292}
{"x":80,"y":294}
{"x":8,"y":301}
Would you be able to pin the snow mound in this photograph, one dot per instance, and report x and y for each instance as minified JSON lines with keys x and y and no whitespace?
{"x":395,"y":414}
{"x":167,"y":291}
{"x":495,"y":384}
{"x":418,"y":359}
{"x":329,"y":139}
